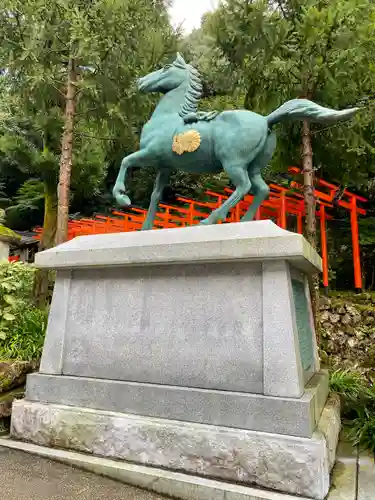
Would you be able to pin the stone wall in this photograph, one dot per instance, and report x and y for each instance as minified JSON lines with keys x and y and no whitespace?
{"x":12,"y":380}
{"x":346,"y":327}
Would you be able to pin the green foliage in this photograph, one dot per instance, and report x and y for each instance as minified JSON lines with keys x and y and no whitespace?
{"x":358,"y":406}
{"x":365,"y":300}
{"x":4,"y":200}
{"x":16,"y":281}
{"x":200,"y":49}
{"x":347,"y":384}
{"x":363,"y":426}
{"x":8,"y":233}
{"x":22,"y":326}
{"x":250,"y":53}
{"x":27,"y":336}
{"x":111,"y":43}
{"x":320,"y":49}
{"x":314,"y":48}
{"x":29,"y":197}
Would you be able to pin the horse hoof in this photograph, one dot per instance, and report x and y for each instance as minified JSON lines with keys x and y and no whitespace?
{"x":123,"y":200}
{"x":119,"y":189}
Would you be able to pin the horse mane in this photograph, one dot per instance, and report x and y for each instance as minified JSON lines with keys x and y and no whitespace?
{"x":193,"y":92}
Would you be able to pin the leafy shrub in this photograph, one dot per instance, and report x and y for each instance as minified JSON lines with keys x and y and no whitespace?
{"x":362,"y":427}
{"x":16,"y":282}
{"x":347,"y":384}
{"x":27,"y":337}
{"x":358,"y":406}
{"x":22,"y":325}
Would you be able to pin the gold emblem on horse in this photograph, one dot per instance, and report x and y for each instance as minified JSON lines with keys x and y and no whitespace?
{"x":187,"y":142}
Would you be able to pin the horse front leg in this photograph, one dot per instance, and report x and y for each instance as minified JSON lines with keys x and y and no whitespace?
{"x":240,"y":178}
{"x":161,"y":181}
{"x":138,"y":159}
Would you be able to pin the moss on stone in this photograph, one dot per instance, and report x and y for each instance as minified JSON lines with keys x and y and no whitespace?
{"x":8,"y":233}
{"x":5,"y":382}
{"x":13,"y":373}
{"x":346,"y":326}
{"x":6,"y":401}
{"x":344,"y":296}
{"x":15,"y":394}
{"x":365,"y":307}
{"x":362,"y":302}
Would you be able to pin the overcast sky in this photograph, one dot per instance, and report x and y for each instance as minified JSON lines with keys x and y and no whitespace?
{"x":189,"y":12}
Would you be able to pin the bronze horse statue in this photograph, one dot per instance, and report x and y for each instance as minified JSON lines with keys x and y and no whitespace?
{"x":178,"y":137}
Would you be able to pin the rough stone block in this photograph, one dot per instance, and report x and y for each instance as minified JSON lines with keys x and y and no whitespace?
{"x":6,"y":401}
{"x":13,"y":373}
{"x":163,"y":481}
{"x":287,"y":464}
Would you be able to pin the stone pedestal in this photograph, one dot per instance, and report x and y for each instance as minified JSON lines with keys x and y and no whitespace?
{"x":192,"y":349}
{"x":4,"y":250}
{"x":7,"y":238}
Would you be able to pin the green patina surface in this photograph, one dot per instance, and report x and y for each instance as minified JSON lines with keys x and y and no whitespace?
{"x":305,"y":333}
{"x":180,"y":137}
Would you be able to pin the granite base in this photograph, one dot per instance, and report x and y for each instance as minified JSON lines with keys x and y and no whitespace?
{"x":291,"y":416}
{"x":287,"y":464}
{"x":221,"y":308}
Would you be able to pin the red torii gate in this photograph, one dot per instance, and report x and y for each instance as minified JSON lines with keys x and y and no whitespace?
{"x":282,"y":206}
{"x":347,"y":200}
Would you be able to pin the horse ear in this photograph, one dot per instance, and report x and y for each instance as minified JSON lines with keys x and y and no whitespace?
{"x":180,"y":59}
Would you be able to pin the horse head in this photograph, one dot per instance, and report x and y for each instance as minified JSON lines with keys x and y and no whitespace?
{"x":167,"y":78}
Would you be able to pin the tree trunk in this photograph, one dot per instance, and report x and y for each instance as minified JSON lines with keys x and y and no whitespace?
{"x":41,"y":281}
{"x":66,"y":155}
{"x":310,"y":206}
{"x":50,"y":216}
{"x":308,"y":183}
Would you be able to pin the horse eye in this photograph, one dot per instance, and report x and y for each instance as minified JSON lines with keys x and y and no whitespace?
{"x":166,"y":68}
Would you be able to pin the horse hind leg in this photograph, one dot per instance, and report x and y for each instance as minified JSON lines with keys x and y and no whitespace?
{"x":261,"y":192}
{"x":240,"y":178}
{"x":161,"y":181}
{"x":259,"y":188}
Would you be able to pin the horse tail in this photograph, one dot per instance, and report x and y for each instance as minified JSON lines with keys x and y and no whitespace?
{"x":119,"y":191}
{"x":303,"y":109}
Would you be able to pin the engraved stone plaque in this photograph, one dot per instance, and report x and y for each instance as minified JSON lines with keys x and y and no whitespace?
{"x":305,"y":333}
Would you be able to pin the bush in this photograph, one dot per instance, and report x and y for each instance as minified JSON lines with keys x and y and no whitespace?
{"x":16,"y":282}
{"x":22,"y":325}
{"x":358,"y":406}
{"x":27,"y":337}
{"x":349,"y":385}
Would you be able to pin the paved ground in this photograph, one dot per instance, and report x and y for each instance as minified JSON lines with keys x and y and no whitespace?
{"x":28,"y":477}
{"x":353,"y":475}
